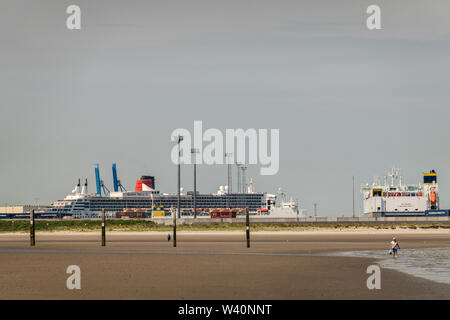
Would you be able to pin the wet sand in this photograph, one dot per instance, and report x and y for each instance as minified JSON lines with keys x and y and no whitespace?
{"x":210,"y":265}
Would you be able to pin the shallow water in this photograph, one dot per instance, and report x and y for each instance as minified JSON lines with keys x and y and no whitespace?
{"x":428,"y":263}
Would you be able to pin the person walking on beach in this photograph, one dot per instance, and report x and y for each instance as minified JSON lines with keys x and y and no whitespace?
{"x":394,"y":247}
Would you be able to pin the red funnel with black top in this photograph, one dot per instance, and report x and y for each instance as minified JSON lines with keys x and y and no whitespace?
{"x":146,"y":183}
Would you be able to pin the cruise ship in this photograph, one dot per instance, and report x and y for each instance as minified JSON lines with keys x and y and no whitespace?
{"x":146,"y":201}
{"x":394,"y":198}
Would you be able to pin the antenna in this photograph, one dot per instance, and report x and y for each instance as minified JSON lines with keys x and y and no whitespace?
{"x":228,"y":156}
{"x":353,"y":195}
{"x":194,"y":151}
{"x":244,"y":180}
{"x":238,"y":165}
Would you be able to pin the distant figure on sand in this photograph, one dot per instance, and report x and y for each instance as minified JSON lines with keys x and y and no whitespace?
{"x":394,"y":247}
{"x":168,"y":237}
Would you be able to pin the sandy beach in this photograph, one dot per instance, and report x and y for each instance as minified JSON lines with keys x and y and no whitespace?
{"x":211,"y":265}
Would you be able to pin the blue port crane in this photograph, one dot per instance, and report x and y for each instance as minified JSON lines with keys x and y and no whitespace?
{"x":117,"y":184}
{"x":99,"y":182}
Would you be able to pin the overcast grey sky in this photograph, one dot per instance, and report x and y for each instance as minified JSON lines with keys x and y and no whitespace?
{"x":348,"y":101}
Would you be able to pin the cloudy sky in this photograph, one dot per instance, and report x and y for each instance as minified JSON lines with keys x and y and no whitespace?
{"x":347,"y":100}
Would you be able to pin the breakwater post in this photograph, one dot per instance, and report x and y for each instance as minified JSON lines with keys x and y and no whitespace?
{"x":174,"y":228}
{"x":32,"y":229}
{"x":247,"y":227}
{"x":103,"y":228}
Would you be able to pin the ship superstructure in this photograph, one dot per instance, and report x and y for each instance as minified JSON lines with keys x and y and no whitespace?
{"x":394,"y":198}
{"x":146,"y":200}
{"x":282,"y":206}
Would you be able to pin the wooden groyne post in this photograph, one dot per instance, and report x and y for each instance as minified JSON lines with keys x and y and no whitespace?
{"x":32,"y":229}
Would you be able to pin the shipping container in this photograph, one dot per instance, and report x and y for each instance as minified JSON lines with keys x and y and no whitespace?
{"x":437,"y":213}
{"x":159,"y":213}
{"x":222,"y":214}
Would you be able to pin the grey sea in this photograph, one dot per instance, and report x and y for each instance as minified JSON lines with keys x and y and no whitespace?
{"x":429,"y":263}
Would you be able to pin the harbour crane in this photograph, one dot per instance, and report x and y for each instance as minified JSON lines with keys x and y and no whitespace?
{"x":117,"y":184}
{"x":100,"y":185}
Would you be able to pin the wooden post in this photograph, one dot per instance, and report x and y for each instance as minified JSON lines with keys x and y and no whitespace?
{"x":32,"y":229}
{"x":247,"y":226}
{"x":103,"y":228}
{"x":174,"y":228}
